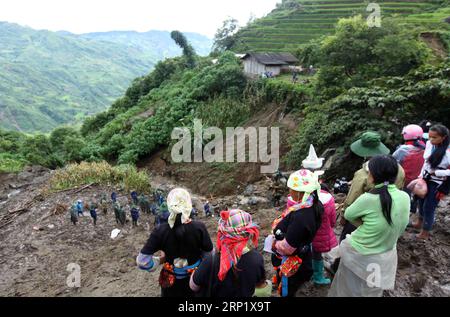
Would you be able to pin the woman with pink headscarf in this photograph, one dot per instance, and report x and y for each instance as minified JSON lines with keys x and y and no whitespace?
{"x":237,"y":268}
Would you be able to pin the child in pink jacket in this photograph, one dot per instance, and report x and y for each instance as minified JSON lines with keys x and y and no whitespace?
{"x":325,"y":240}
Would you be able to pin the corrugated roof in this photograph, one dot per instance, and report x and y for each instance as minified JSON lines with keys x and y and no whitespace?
{"x":273,"y":58}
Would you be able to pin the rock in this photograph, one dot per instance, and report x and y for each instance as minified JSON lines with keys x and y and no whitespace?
{"x":418,"y":283}
{"x":51,"y":226}
{"x":446,"y":288}
{"x":115,"y":233}
{"x":38,"y":228}
{"x":252,"y":201}
{"x":244,"y":201}
{"x":25,"y":176}
{"x":447,"y":219}
{"x":249,"y":190}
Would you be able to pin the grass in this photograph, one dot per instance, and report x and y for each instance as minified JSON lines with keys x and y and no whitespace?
{"x":125,"y":176}
{"x":11,"y":164}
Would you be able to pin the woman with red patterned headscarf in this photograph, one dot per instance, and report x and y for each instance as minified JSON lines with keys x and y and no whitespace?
{"x":236,"y":269}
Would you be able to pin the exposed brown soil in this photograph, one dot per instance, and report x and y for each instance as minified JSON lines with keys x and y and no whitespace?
{"x":39,"y":244}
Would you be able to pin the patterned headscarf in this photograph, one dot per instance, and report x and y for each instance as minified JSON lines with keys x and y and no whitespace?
{"x":179,"y":202}
{"x":304,"y":181}
{"x":236,"y":229}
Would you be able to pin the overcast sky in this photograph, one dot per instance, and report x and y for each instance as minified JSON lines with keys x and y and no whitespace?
{"x":83,"y":16}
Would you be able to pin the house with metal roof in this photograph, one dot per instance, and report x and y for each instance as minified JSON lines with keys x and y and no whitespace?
{"x":258,"y":64}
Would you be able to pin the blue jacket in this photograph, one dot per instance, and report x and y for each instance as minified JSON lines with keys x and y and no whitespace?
{"x":80,"y":208}
{"x":134,"y":213}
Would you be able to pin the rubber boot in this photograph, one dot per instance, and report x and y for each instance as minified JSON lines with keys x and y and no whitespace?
{"x":318,"y":277}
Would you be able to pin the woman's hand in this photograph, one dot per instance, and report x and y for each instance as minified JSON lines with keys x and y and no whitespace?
{"x":357,"y":222}
{"x":162,"y":258}
{"x":342,"y":220}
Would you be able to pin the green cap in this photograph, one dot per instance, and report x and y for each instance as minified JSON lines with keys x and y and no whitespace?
{"x":369,"y":145}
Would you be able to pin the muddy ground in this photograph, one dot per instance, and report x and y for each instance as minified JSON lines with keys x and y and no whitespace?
{"x":38,"y":242}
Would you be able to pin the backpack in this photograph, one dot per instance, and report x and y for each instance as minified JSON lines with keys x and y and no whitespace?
{"x":412,"y":165}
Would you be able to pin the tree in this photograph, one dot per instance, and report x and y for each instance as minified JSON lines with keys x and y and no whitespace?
{"x":364,"y":52}
{"x":310,"y":53}
{"x":225,"y":37}
{"x":188,"y":50}
{"x":38,"y":150}
{"x":398,"y":55}
{"x":73,"y":148}
{"x":59,"y":135}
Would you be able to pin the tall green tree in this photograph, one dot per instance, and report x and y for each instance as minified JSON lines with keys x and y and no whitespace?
{"x":225,"y":36}
{"x":357,"y":53}
{"x":188,"y":50}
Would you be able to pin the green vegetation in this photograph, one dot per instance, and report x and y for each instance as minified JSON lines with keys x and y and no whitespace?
{"x":101,"y":173}
{"x":392,"y":84}
{"x":296,"y":22}
{"x":368,"y":78}
{"x":48,"y":79}
{"x":11,"y":163}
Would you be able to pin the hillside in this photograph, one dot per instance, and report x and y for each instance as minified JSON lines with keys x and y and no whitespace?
{"x":378,"y":79}
{"x":296,"y":22}
{"x":48,"y":79}
{"x":156,"y":44}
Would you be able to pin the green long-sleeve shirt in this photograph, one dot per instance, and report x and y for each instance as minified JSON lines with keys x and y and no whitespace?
{"x":375,"y":235}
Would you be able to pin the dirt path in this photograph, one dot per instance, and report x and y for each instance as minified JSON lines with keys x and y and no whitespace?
{"x":34,"y":262}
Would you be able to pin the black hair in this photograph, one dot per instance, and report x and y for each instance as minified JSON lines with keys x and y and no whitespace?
{"x":318,"y":208}
{"x":183,"y":236}
{"x":325,"y":187}
{"x":437,"y":156}
{"x":425,"y":125}
{"x":384,"y":170}
{"x":419,"y":143}
{"x":179,"y":229}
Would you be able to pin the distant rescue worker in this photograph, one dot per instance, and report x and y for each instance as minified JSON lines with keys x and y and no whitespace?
{"x":163,"y":214}
{"x":74,"y":214}
{"x":80,"y":208}
{"x":207,"y":209}
{"x":119,"y":213}
{"x":134,"y":209}
{"x":194,"y":213}
{"x":144,"y":204}
{"x":104,"y":204}
{"x":93,"y":211}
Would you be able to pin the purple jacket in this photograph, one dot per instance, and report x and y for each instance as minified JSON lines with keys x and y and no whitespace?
{"x":325,"y":239}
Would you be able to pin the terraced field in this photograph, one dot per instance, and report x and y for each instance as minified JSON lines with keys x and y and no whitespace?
{"x":291,"y":24}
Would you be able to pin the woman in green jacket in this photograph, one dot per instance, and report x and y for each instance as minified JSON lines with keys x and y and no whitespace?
{"x":369,"y":255}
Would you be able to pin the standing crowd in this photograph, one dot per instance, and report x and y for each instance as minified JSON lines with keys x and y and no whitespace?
{"x":382,"y":201}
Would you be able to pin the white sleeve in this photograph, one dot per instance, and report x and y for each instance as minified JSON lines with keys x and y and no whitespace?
{"x":442,"y":173}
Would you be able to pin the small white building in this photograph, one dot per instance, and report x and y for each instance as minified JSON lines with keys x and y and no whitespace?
{"x":258,"y":64}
